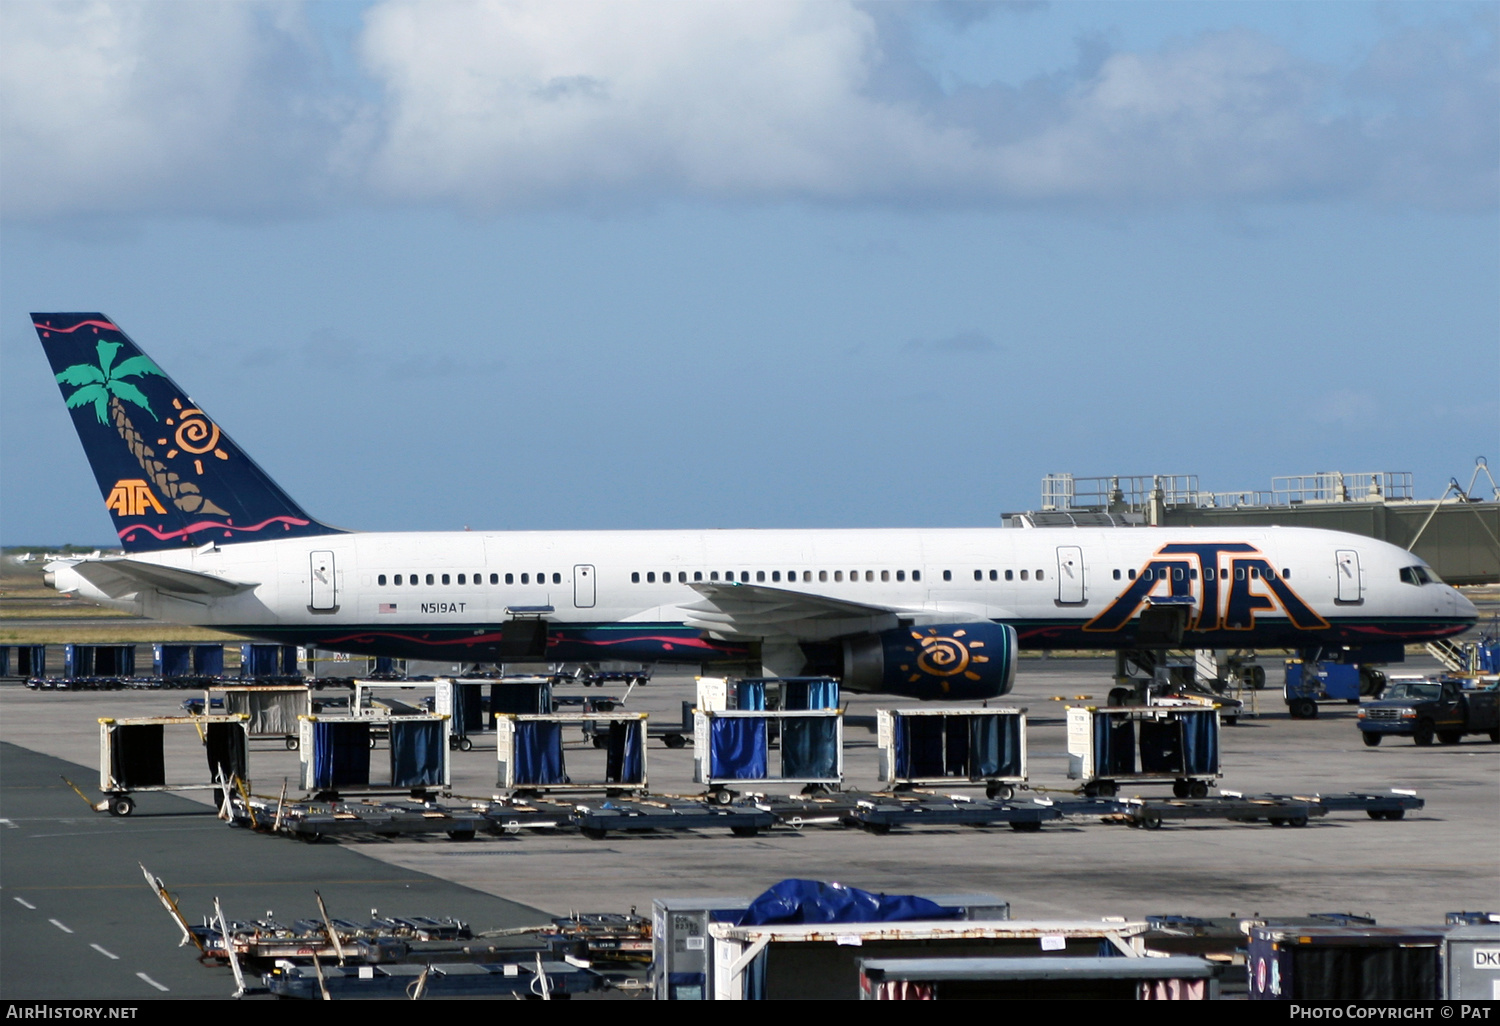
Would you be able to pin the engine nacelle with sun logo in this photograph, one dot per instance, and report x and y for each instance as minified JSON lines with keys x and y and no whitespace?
{"x":951,"y":661}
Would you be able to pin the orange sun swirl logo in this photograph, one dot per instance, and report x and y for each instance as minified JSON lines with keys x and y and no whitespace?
{"x":196,"y":433}
{"x":943,"y":657}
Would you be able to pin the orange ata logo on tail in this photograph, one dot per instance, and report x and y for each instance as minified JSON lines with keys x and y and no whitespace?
{"x":132,"y":498}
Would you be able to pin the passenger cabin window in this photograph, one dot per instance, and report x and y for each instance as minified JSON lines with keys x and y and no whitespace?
{"x":807,"y":576}
{"x":978,"y":575}
{"x":460,"y":578}
{"x":556,"y":578}
{"x":526,"y":578}
{"x":650,"y":578}
{"x":509,"y":578}
{"x":445,"y":579}
{"x":381,"y":580}
{"x":1285,"y":573}
{"x":947,"y":575}
{"x":823,"y":575}
{"x":1024,"y":575}
{"x":429,"y":578}
{"x":838,"y":575}
{"x":697,"y":575}
{"x":635,"y":577}
{"x":885,"y":575}
{"x":916,"y":575}
{"x":1117,"y":575}
{"x":1130,"y":574}
{"x":900,"y":575}
{"x":1010,"y":575}
{"x":1039,"y":575}
{"x":775,"y":576}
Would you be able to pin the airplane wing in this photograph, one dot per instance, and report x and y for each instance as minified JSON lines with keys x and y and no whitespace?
{"x":755,"y":611}
{"x":118,"y":577}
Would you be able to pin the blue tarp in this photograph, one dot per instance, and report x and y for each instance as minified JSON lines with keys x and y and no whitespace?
{"x":539,"y":754}
{"x":341,"y":754}
{"x":416,"y":753}
{"x":811,"y":901}
{"x":468,"y":709}
{"x":173,"y":660}
{"x":737,"y":748}
{"x":1114,"y":744}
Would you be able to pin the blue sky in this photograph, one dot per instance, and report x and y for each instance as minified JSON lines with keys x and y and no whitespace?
{"x":745,"y":265}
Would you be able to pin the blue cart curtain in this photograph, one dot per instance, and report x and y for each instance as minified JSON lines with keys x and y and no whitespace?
{"x":750,"y":695}
{"x":468,"y":709}
{"x":995,"y":746}
{"x":208,"y":660}
{"x":539,"y":754}
{"x":1200,"y":743}
{"x":341,"y":754}
{"x":1114,"y":744}
{"x":173,"y":661}
{"x":737,"y":748}
{"x":1161,"y":746}
{"x":227,"y":750}
{"x":956,"y":747}
{"x":136,"y":756}
{"x":529,"y":699}
{"x":816,"y":693}
{"x":622,"y":764}
{"x":919,"y":746}
{"x":809,"y":748}
{"x":416,"y":753}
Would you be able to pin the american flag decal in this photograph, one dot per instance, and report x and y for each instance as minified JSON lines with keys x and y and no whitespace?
{"x":387,"y":607}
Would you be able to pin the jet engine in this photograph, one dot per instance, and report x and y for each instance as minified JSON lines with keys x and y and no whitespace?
{"x":952,"y":661}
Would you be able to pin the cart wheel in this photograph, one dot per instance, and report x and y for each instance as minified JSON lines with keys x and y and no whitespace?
{"x":1120,"y":696}
{"x":675,"y":741}
{"x":1198,"y":789}
{"x":1276,"y":821}
{"x":465,"y":745}
{"x":604,"y":705}
{"x":1107,"y":788}
{"x":292,"y":744}
{"x":372,"y":740}
{"x":1297,"y":821}
{"x":878,"y":829}
{"x":1150,"y":820}
{"x":744,"y":831}
{"x":1181,"y":788}
{"x":1371,"y":740}
{"x":1002,"y":791}
{"x":594,"y":833}
{"x":1230,"y":721}
{"x":461,"y":835}
{"x":1026,"y":826}
{"x":312,"y":838}
{"x":600,"y":741}
{"x":121,"y":805}
{"x":1395,"y":814}
{"x":722,"y":797}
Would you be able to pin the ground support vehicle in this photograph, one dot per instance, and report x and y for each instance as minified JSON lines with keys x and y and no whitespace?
{"x":1424,"y":710}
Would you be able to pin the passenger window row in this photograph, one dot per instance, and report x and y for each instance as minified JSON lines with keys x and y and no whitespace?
{"x":411,"y":579}
{"x":775,"y":576}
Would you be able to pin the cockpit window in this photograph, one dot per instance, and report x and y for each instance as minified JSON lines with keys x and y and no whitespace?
{"x":1418,"y":575}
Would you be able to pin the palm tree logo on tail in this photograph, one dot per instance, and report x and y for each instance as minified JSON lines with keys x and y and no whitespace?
{"x":105,"y":386}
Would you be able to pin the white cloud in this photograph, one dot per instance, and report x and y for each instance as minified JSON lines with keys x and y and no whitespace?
{"x":115,"y":107}
{"x":226,"y":108}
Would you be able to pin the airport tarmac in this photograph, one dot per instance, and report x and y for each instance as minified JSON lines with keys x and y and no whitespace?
{"x":1440,"y":859}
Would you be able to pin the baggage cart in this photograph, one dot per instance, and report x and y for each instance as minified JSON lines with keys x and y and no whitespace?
{"x":946,"y":746}
{"x":272,"y":710}
{"x":732,"y":748}
{"x":133,"y":756}
{"x":1144,"y":745}
{"x":531,"y":756}
{"x":335,"y":755}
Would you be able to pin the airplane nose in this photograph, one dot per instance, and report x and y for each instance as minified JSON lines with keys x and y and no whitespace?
{"x":1462,"y":607}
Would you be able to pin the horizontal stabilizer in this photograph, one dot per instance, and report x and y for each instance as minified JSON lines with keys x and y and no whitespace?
{"x":118,"y":577}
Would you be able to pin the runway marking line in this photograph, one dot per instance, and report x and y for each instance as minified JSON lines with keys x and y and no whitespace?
{"x":60,"y":926}
{"x":26,"y":904}
{"x":106,"y":954}
{"x":153,"y":983}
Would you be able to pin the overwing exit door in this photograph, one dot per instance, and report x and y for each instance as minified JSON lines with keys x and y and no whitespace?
{"x":583,"y":586}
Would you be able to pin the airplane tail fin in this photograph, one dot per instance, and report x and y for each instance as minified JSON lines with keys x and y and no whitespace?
{"x":169,"y":475}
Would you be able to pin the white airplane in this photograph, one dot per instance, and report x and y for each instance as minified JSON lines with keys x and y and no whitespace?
{"x":210,"y":540}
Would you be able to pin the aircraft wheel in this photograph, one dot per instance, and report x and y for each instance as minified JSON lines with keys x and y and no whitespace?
{"x":121,"y":805}
{"x":1257,"y":677}
{"x":1371,"y":739}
